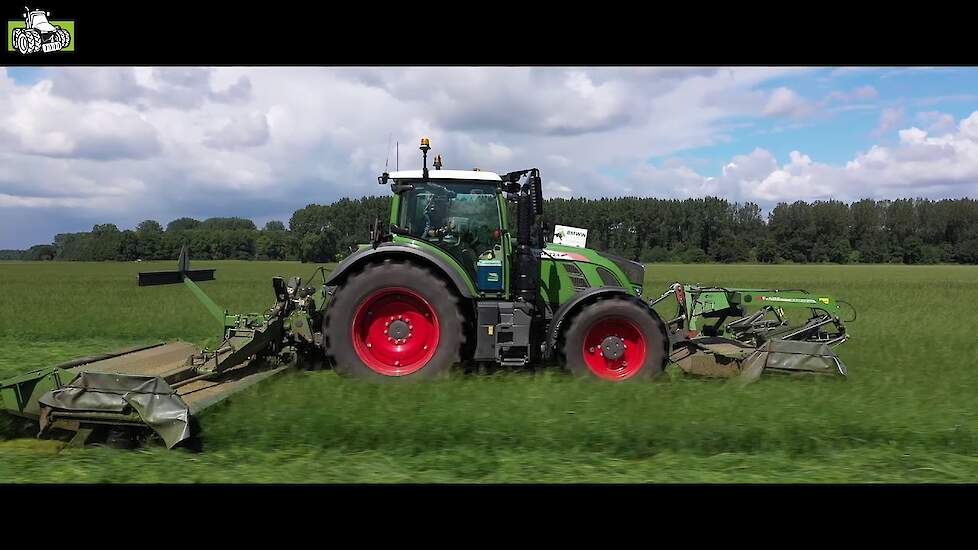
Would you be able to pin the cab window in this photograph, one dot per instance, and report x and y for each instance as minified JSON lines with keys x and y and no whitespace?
{"x":460,"y":217}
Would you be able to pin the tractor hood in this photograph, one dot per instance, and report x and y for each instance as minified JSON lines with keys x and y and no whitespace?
{"x":634,"y":271}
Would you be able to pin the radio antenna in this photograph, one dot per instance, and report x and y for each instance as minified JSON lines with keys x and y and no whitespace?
{"x":388,"y":160}
{"x":397,"y":155}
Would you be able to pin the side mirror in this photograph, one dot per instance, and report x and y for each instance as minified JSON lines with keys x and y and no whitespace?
{"x":399,"y":188}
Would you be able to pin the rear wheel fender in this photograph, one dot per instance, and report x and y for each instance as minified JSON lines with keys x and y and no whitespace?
{"x":450,"y":270}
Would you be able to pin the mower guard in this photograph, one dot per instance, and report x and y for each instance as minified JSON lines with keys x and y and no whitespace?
{"x":792,"y":357}
{"x":157,"y":387}
{"x":92,"y":394}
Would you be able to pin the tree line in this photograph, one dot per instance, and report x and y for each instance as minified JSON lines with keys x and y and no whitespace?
{"x":907,"y":231}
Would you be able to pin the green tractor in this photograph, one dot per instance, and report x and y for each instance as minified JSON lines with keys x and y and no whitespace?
{"x":448,"y":282}
{"x":443,"y":281}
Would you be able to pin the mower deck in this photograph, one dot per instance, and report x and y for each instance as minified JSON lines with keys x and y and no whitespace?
{"x":155,"y":386}
{"x":169,"y":361}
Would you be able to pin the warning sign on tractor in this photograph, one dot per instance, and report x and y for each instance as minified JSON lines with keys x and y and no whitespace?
{"x":570,"y":236}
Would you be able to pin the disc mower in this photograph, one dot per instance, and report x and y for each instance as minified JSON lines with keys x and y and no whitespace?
{"x":443,"y":281}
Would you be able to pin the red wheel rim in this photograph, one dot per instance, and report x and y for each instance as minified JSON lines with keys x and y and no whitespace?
{"x":395,"y":331}
{"x":611,"y":330}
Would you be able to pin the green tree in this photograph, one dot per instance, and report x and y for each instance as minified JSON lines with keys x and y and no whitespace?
{"x":41,"y":252}
{"x":766,"y":251}
{"x":182,"y":224}
{"x":106,"y":242}
{"x":149,"y":236}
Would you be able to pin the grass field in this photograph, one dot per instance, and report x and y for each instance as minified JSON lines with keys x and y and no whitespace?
{"x":906,"y":414}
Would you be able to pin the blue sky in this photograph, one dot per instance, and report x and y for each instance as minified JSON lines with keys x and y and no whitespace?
{"x":834,"y":135}
{"x":80,"y":146}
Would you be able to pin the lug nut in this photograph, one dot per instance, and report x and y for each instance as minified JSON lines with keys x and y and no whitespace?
{"x":369,"y":345}
{"x":591,"y":350}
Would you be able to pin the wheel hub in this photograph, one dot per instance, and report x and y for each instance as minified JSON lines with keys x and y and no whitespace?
{"x":399,"y":329}
{"x":395,"y":331}
{"x":612,"y":347}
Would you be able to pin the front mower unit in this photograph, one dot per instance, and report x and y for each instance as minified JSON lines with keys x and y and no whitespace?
{"x":728,"y":332}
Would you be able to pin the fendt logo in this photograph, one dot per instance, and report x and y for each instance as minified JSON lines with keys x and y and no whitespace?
{"x":36,"y":33}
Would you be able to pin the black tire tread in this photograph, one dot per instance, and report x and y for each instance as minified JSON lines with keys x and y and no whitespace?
{"x":34,"y":40}
{"x":63,"y":37}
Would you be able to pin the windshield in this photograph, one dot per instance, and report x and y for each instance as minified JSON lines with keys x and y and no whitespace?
{"x":459,"y":216}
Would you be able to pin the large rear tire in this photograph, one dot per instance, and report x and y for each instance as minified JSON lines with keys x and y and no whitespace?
{"x":615,"y":339}
{"x":394,"y":322}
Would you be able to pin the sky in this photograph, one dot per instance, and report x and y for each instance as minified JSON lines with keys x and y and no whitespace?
{"x":87,"y":145}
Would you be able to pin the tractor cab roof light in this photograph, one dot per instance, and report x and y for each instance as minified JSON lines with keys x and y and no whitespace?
{"x":425,"y":147}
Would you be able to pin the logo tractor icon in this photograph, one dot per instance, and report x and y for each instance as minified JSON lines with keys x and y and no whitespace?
{"x":39,"y":34}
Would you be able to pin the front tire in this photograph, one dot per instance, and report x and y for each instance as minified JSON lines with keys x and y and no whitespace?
{"x":62,"y":36}
{"x":394,"y":321}
{"x":615,"y":339}
{"x":30,"y":41}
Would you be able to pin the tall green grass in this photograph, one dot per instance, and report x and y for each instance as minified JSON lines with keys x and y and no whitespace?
{"x":905,"y":414}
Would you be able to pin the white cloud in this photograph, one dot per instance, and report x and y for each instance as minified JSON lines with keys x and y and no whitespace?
{"x":248,"y":130}
{"x":126,"y":144}
{"x":936,"y":122}
{"x":41,"y":123}
{"x":862,"y":93}
{"x":919,"y":165}
{"x":784,"y":101}
{"x":890,"y":117}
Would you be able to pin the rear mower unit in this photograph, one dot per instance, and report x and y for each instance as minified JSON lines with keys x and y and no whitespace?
{"x":443,"y":281}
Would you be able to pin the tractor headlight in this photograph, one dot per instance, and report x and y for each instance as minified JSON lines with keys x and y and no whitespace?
{"x":638,"y":290}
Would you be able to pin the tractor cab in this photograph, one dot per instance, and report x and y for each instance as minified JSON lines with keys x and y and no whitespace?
{"x":38,"y":20}
{"x":459,"y":212}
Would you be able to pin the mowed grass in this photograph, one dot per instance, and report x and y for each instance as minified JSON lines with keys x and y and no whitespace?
{"x":906,"y":414}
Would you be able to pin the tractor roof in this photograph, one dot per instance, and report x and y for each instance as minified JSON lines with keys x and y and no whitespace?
{"x":446,"y":175}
